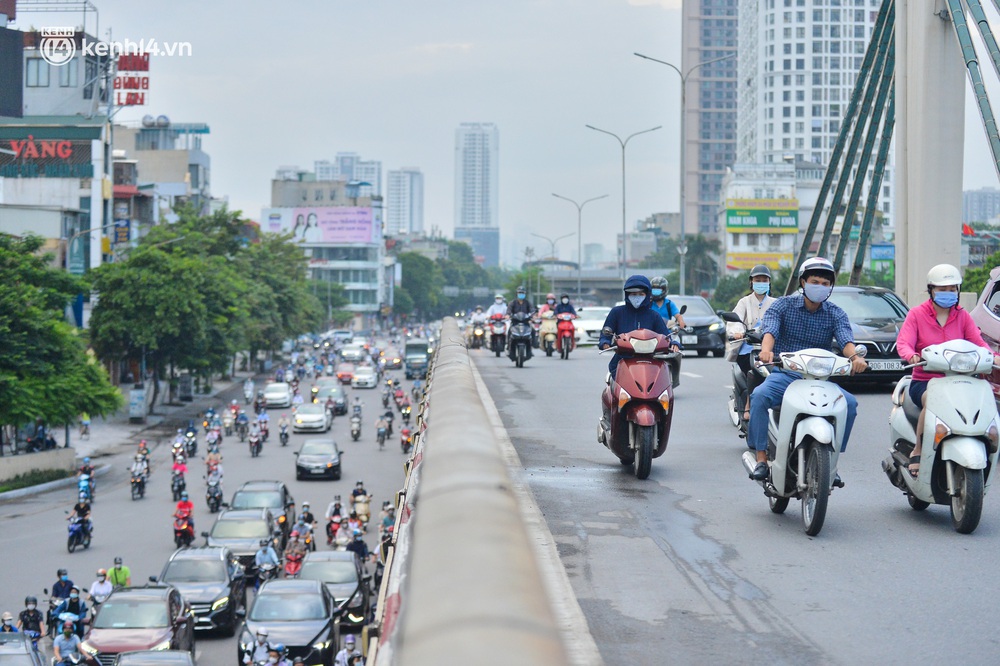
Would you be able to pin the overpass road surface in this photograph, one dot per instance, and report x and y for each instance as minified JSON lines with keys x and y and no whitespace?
{"x":691,"y":567}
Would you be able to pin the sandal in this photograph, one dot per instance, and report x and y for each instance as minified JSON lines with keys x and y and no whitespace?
{"x":914,"y":471}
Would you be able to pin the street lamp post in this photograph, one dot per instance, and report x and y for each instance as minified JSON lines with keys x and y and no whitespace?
{"x":579,"y":235}
{"x":682,"y":246}
{"x":623,"y":144}
{"x":552,"y":245}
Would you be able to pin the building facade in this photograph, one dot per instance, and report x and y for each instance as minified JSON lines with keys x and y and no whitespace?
{"x":982,"y":205}
{"x":350,"y":167}
{"x":404,"y":202}
{"x":477,"y":189}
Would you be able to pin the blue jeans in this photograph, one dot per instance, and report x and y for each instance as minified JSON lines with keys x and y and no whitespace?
{"x":769,"y":394}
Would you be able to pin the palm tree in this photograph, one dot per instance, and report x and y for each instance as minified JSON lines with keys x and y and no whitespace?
{"x":701,"y":263}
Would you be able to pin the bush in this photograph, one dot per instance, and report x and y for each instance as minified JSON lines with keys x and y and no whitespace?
{"x":35,"y":477}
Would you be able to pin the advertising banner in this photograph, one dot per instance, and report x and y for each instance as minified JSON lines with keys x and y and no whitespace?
{"x":122,"y":230}
{"x":747,"y":260}
{"x":772,"y":216}
{"x":331,"y":224}
{"x":45,"y":158}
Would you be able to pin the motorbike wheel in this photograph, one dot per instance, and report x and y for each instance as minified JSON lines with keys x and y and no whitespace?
{"x":86,"y":542}
{"x":135,"y":491}
{"x":646,"y":436}
{"x":520,"y":356}
{"x":967,"y":505}
{"x":71,"y":544}
{"x":243,"y":436}
{"x":778,"y":504}
{"x":817,"y":483}
{"x":917,"y":504}
{"x":733,"y":416}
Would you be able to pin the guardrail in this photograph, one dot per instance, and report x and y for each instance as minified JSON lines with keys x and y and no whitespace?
{"x":461,"y":583}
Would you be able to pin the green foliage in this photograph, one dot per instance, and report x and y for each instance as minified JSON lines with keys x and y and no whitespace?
{"x":531,"y":279}
{"x":34,"y":478}
{"x":423,"y":280}
{"x":700,"y":263}
{"x":975,"y":278}
{"x":402,"y":301}
{"x":45,"y":371}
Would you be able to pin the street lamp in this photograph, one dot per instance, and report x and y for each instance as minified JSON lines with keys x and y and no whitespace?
{"x":623,"y":144}
{"x":682,"y":246}
{"x":552,"y":254}
{"x":579,"y":235}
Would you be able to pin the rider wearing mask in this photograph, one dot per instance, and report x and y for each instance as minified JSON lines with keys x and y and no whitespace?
{"x":750,"y":309}
{"x":31,"y":619}
{"x":62,"y":586}
{"x":634,"y":315}
{"x":120,"y":575}
{"x":358,"y":546}
{"x":498,"y":307}
{"x":793,"y":323}
{"x":140,"y":467}
{"x":521,"y":303}
{"x":75,"y":605}
{"x":663,"y":305}
{"x":343,"y":657}
{"x":7,"y":623}
{"x":939,"y":319}
{"x":66,"y":646}
{"x":259,"y":649}
{"x":100,"y":588}
{"x":265,"y":554}
{"x":549,"y":304}
{"x":81,"y":510}
{"x":564,"y":306}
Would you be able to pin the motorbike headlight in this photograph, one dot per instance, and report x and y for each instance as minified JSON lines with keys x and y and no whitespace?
{"x":165,"y":645}
{"x":220,"y":603}
{"x":821,"y":367}
{"x":623,"y":397}
{"x":962,"y":362}
{"x":88,"y":648}
{"x":321,"y":645}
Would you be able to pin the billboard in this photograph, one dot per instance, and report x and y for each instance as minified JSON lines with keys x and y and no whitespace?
{"x":331,"y":224}
{"x":45,"y":158}
{"x":770,"y":216}
{"x":747,"y":260}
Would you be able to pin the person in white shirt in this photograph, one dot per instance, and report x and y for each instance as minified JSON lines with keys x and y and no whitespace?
{"x":750,"y":309}
{"x":498,"y":307}
{"x":100,"y":588}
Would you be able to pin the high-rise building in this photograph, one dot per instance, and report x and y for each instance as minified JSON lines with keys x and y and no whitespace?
{"x":349,"y":166}
{"x":405,"y":202}
{"x":709,"y":32}
{"x":982,"y":205}
{"x":477,"y":188}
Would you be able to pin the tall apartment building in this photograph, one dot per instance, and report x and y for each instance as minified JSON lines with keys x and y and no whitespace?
{"x":405,"y":202}
{"x":982,"y":205}
{"x":477,"y":189}
{"x":349,"y":166}
{"x":709,"y":32}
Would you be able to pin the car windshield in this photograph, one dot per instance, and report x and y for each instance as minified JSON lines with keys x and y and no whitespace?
{"x":241,"y":529}
{"x":145,"y":659}
{"x":11,"y":638}
{"x":263,"y":499}
{"x":345,"y":367}
{"x":695,"y":306}
{"x":276,"y":388}
{"x":330,"y":392}
{"x":365,"y":371}
{"x":341,"y":571}
{"x":287,"y":608}
{"x":868,"y":305}
{"x":131,"y":614}
{"x":316,"y":449}
{"x":311,"y":409}
{"x":194,"y":571}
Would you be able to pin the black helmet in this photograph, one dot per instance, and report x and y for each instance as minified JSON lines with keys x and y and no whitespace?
{"x":62,"y":572}
{"x":263,"y":542}
{"x":30,"y":600}
{"x":758,"y":270}
{"x":520,"y":287}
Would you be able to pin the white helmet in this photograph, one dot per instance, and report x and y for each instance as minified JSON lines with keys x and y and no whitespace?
{"x":817,"y":265}
{"x":944,"y":275}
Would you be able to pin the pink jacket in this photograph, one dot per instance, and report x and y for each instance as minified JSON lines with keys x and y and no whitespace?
{"x":921,"y":329}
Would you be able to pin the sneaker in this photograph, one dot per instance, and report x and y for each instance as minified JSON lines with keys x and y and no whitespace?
{"x":760,"y":472}
{"x":837,"y":481}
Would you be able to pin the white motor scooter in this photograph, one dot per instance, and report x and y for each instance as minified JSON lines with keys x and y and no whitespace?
{"x":805,"y":435}
{"x":961,"y":427}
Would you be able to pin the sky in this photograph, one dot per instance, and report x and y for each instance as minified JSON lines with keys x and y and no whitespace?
{"x":293,"y":82}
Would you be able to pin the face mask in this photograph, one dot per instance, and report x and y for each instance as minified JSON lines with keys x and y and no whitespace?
{"x":636,"y":299}
{"x":67,"y":632}
{"x":272,"y":660}
{"x":565,"y":301}
{"x":520,"y":295}
{"x":551,"y":301}
{"x":946,"y":299}
{"x":64,"y":578}
{"x":761,"y":287}
{"x":498,"y":301}
{"x":74,"y":596}
{"x":261,"y":639}
{"x":6,"y":623}
{"x":817,"y":293}
{"x":102,"y":578}
{"x":31,"y":607}
{"x":657,"y":293}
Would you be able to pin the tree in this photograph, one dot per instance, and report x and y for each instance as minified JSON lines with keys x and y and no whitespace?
{"x":402,"y":301}
{"x":975,"y":278}
{"x":45,"y":371}
{"x":422,"y":280}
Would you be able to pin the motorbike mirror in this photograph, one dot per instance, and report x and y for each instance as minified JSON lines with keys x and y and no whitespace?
{"x":731,"y":317}
{"x":683,"y":309}
{"x":861,"y":350}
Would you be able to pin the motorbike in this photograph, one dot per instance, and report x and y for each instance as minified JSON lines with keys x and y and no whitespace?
{"x":85,"y":487}
{"x":293,"y":565}
{"x":190,"y":443}
{"x":213,"y":495}
{"x":283,"y":435}
{"x":177,"y":485}
{"x":498,"y":334}
{"x":405,"y":440}
{"x":247,"y":393}
{"x":183,"y":529}
{"x":264,"y":431}
{"x":258,"y":404}
{"x":362,"y":504}
{"x":548,"y":333}
{"x":78,"y":536}
{"x":805,"y":435}
{"x":138,"y":486}
{"x":959,"y":452}
{"x":405,"y":413}
{"x":242,"y":429}
{"x":355,"y":427}
{"x":380,"y":436}
{"x":520,"y":338}
{"x":478,"y":336}
{"x":566,"y":341}
{"x":255,"y":445}
{"x":341,"y":540}
{"x":536,"y":325}
{"x":385,"y":397}
{"x":227,"y":424}
{"x":743,"y":384}
{"x":265,"y":572}
{"x":637,"y":402}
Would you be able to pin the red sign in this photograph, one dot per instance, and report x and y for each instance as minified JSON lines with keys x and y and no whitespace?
{"x":131,"y":89}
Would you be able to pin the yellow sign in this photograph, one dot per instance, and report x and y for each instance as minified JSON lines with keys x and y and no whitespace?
{"x":763,"y":204}
{"x":747,"y":260}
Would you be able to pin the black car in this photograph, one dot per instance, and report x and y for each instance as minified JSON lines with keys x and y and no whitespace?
{"x":709,"y":334}
{"x":241,"y":530}
{"x":343,"y":574}
{"x":213,"y":582}
{"x":16,"y":650}
{"x":154,"y":658}
{"x":271,"y":495}
{"x":876,"y":316}
{"x":302,"y":614}
{"x":317,"y":459}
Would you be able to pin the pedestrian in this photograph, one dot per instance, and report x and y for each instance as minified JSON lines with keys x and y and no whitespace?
{"x":85,"y":425}
{"x":343,"y":657}
{"x":120,"y":576}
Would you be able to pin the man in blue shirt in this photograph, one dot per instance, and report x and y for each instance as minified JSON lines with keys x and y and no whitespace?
{"x":792,"y":323}
{"x":663,"y":305}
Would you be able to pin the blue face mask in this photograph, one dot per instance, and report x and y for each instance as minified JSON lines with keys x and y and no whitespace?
{"x":761,"y":287}
{"x":63,"y":577}
{"x":520,"y":295}
{"x":817,"y":293}
{"x":946,"y":299}
{"x":657,"y":293}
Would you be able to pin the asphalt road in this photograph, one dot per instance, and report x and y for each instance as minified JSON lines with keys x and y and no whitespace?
{"x":691,"y":567}
{"x":34,"y":528}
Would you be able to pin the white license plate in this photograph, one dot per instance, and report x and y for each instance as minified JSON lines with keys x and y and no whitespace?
{"x":689,"y":339}
{"x":885,"y":365}
{"x":318,"y":471}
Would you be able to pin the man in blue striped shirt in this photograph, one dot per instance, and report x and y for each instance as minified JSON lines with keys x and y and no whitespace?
{"x":792,"y":323}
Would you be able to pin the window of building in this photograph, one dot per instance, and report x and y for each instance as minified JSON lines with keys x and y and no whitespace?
{"x":318,"y":195}
{"x":800,"y":112}
{"x":36,"y":73}
{"x":69,"y":75}
{"x":800,"y":127}
{"x":800,"y":95}
{"x":752,"y":240}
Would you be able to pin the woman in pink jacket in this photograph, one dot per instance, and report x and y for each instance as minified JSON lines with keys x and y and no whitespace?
{"x":937,"y":320}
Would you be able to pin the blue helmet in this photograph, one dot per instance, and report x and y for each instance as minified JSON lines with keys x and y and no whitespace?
{"x":86,"y":460}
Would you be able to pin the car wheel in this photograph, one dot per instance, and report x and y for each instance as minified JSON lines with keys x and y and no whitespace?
{"x":718,"y":353}
{"x":702,"y":353}
{"x":298,"y":476}
{"x":336,"y":474}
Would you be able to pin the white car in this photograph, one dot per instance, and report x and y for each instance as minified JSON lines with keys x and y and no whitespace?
{"x":278,"y":394}
{"x":312,"y":417}
{"x":364,"y":377}
{"x":353,"y":353}
{"x":588,"y":324}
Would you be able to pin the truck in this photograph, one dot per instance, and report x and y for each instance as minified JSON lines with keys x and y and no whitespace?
{"x":416,"y":358}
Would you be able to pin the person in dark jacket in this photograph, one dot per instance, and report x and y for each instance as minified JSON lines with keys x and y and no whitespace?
{"x":634,"y":315}
{"x":521,"y":303}
{"x":564,"y":306}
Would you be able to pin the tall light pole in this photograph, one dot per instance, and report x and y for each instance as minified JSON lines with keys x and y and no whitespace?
{"x":579,"y":236}
{"x":623,"y":144}
{"x":682,"y":246}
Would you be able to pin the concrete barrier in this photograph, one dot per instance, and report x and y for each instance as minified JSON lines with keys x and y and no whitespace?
{"x":11,"y":466}
{"x":462,"y":585}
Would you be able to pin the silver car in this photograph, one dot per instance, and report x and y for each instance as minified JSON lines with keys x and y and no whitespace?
{"x":312,"y":417}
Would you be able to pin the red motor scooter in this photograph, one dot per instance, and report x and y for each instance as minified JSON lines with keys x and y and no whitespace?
{"x":566,"y":334}
{"x":183,"y":529}
{"x":293,"y":565}
{"x":637,"y":402}
{"x":498,"y":334}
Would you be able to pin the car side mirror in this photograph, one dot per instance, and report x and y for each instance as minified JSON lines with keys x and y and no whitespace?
{"x":241,"y":612}
{"x":861,"y":350}
{"x":205,"y":534}
{"x":182,"y":619}
{"x":225,"y":505}
{"x":152,"y":579}
{"x":296,"y":453}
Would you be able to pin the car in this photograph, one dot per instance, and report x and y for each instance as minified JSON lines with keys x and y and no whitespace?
{"x":154,"y":658}
{"x":272,"y":495}
{"x":416,"y":358}
{"x":876,"y":316}
{"x":213,"y":581}
{"x":152,"y":617}
{"x":345,"y":373}
{"x":16,"y":650}
{"x":589,"y":322}
{"x":353,"y":353}
{"x":364,"y":377}
{"x":241,"y":531}
{"x":344,"y":575}
{"x":312,"y":416}
{"x":302,"y":614}
{"x":318,"y":458}
{"x":278,"y":394}
{"x":986,"y":314}
{"x":393,"y":359}
{"x":709,"y":331}
{"x":335,"y":391}
{"x":341,"y":335}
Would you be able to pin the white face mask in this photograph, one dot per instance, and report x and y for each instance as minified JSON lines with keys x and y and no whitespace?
{"x":636,"y":299}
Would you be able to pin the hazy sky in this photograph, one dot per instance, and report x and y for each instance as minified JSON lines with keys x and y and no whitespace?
{"x":284,"y":83}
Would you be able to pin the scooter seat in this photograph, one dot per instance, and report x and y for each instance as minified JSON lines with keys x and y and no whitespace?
{"x":911,"y":410}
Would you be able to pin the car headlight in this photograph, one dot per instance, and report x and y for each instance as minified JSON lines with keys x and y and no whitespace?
{"x":298,"y":421}
{"x":221,"y":603}
{"x":165,"y":645}
{"x":88,"y":648}
{"x":321,"y":646}
{"x":355,"y":618}
{"x":716,"y":326}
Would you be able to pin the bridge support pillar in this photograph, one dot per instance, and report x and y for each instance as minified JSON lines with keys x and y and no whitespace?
{"x":930,"y":135}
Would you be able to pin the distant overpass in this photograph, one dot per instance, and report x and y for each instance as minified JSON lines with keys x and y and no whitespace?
{"x":600,"y":287}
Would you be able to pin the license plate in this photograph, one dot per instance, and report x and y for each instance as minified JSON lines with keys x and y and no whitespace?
{"x":318,"y":471}
{"x":689,"y":339}
{"x":885,"y":365}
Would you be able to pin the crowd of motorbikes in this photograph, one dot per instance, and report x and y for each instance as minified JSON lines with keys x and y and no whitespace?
{"x":518,"y":333}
